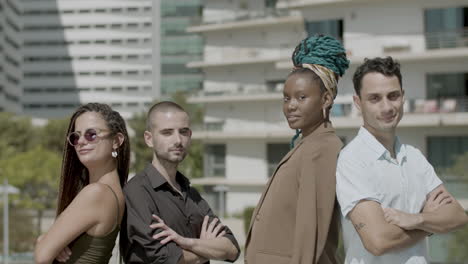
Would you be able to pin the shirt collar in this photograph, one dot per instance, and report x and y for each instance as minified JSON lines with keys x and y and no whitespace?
{"x":380,"y":151}
{"x":157,"y":180}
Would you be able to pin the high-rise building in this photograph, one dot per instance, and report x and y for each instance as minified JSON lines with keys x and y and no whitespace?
{"x":90,"y":51}
{"x":179,"y":47}
{"x":248,"y":45}
{"x":10,"y":56}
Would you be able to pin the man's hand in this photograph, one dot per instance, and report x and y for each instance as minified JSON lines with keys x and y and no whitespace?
{"x":169,"y":234}
{"x":212,"y":230}
{"x":404,"y":220}
{"x":435,"y":200}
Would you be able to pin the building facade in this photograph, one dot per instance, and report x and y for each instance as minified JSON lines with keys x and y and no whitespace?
{"x":248,"y":45}
{"x":178,"y":47}
{"x":10,"y":56}
{"x":77,"y":52}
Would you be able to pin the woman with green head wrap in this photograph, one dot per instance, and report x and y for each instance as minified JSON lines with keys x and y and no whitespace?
{"x":295,"y":221}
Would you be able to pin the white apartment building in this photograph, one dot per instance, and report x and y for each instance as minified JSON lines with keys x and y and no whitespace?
{"x":77,"y":52}
{"x":247,"y":52}
{"x":10,"y":56}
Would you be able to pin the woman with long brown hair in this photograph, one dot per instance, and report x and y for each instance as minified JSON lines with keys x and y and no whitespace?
{"x":91,"y":202}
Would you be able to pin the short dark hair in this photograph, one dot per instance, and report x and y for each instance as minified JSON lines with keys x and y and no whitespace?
{"x":164,"y":106}
{"x":386,"y":66}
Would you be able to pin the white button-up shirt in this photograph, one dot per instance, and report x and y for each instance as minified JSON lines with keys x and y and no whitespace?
{"x":366,"y":171}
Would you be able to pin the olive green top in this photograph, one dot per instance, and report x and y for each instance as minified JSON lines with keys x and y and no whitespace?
{"x":92,"y":250}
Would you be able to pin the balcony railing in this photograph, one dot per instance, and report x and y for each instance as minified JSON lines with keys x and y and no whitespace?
{"x":442,"y":105}
{"x":241,"y":89}
{"x":245,"y":15}
{"x":209,"y":126}
{"x":447,"y":39}
{"x":234,"y":54}
{"x":414,"y":106}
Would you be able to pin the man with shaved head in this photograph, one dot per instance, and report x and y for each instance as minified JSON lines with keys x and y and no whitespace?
{"x":166,"y":220}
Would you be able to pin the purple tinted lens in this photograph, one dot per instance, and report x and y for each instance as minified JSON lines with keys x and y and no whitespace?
{"x":90,"y":135}
{"x":73,"y":138}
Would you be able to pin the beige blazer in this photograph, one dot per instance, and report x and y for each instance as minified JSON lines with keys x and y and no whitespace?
{"x":296,"y":220}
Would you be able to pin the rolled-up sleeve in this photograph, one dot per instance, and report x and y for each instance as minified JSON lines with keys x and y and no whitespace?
{"x":229,"y":235}
{"x":140,"y":246}
{"x":353,"y":184}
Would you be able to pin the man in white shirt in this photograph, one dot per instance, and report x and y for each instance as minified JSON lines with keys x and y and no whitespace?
{"x":390,"y":197}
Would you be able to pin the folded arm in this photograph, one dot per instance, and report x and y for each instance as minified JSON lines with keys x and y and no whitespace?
{"x":142,"y":247}
{"x":211,"y":245}
{"x":83,"y":212}
{"x":445,"y":218}
{"x":377,"y":235}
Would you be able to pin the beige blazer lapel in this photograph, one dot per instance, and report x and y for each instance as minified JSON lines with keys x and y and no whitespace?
{"x":259,"y":205}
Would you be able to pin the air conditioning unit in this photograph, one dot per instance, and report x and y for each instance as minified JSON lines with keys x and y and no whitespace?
{"x":396,"y":45}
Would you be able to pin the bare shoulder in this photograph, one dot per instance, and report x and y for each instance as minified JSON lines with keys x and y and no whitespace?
{"x":96,"y":193}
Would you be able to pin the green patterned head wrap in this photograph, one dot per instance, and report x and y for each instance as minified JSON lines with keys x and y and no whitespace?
{"x":326,"y":57}
{"x":321,"y":50}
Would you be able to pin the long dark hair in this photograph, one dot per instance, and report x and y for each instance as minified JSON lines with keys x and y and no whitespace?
{"x":74,"y":174}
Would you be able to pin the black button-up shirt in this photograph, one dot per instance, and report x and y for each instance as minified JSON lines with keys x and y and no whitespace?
{"x":149,"y":193}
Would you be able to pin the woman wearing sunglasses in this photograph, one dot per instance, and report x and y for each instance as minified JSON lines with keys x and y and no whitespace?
{"x":91,"y":202}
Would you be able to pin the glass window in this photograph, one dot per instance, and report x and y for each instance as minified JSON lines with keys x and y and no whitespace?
{"x":215,"y":160}
{"x":275,"y":152}
{"x":332,"y":28}
{"x":442,"y":151}
{"x":445,"y":27}
{"x":270,"y":3}
{"x":447,"y":85}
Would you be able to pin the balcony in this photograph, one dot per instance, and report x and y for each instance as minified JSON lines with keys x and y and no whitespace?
{"x":447,"y":39}
{"x":419,"y":113}
{"x":312,"y":3}
{"x":230,"y":56}
{"x":407,"y":47}
{"x":248,"y":19}
{"x":238,"y":93}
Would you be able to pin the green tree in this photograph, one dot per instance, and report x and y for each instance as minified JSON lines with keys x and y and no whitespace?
{"x":17,"y":134}
{"x":36,"y":174}
{"x":458,"y":244}
{"x":460,"y":167}
{"x":53,"y":135}
{"x":141,"y":152}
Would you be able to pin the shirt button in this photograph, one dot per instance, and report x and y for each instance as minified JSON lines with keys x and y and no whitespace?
{"x":257,"y":217}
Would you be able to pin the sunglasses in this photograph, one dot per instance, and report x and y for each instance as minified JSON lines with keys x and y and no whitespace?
{"x":90,"y":135}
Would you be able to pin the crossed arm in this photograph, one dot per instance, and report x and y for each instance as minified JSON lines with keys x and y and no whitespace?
{"x":211,"y":245}
{"x":385,"y":229}
{"x":150,"y":240}
{"x":85,"y":212}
